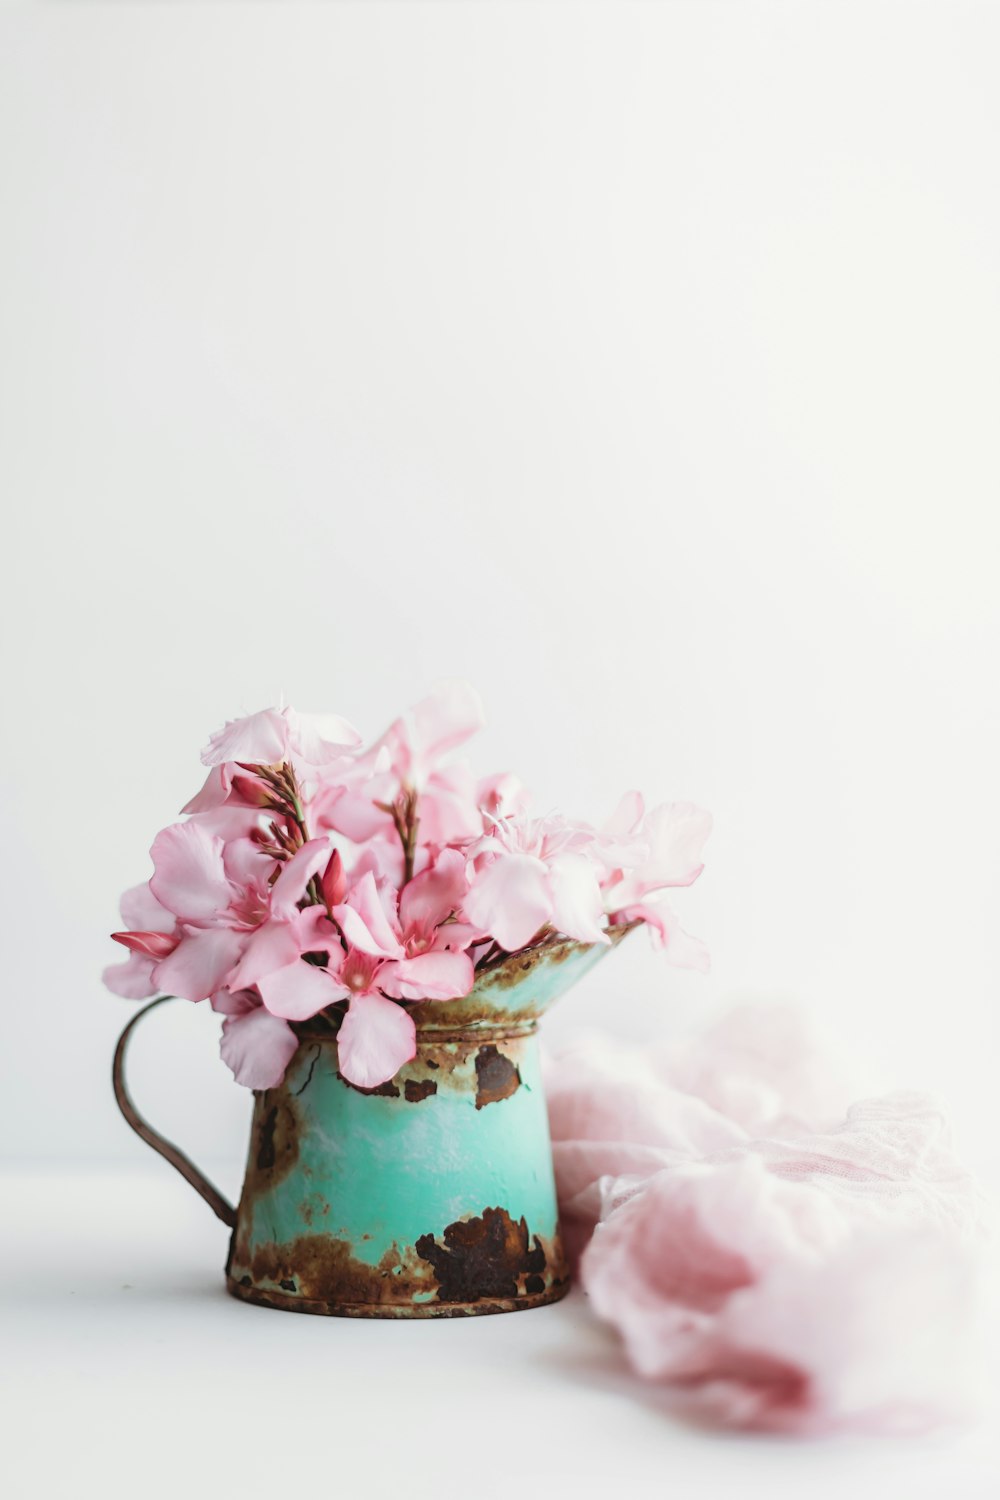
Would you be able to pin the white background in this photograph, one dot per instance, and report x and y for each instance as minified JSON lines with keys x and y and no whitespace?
{"x":638,"y":362}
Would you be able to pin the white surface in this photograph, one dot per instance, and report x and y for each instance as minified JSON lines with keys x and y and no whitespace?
{"x":128,"y":1372}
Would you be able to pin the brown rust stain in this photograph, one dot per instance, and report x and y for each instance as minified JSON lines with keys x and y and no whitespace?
{"x":319,"y":1267}
{"x":313,"y":1205}
{"x":510,"y":971}
{"x":490,"y":1256}
{"x":496,"y":1077}
{"x":438,"y":1056}
{"x":406,"y":1311}
{"x":489,"y":1263}
{"x":504,"y":973}
{"x":415,"y":1090}
{"x":274,"y":1146}
{"x":387,"y":1090}
{"x":274,"y":1151}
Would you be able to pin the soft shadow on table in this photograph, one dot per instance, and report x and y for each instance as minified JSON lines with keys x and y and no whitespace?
{"x":595,"y":1359}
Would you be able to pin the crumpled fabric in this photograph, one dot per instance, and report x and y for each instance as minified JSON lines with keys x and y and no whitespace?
{"x":775,"y":1257}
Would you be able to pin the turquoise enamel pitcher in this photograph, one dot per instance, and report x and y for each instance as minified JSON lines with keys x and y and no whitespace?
{"x":430,"y":1196}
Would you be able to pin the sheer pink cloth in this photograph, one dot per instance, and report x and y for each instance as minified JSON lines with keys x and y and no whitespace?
{"x":777,"y":1260}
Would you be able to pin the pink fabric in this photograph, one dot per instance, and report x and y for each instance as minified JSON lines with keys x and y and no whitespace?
{"x":775,"y":1260}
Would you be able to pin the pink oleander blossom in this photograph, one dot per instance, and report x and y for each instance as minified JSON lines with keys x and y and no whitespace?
{"x":312,"y":875}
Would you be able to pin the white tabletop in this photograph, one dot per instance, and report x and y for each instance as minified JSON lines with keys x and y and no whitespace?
{"x":128,"y":1371}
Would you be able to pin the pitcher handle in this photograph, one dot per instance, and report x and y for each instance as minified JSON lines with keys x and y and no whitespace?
{"x":183,"y":1164}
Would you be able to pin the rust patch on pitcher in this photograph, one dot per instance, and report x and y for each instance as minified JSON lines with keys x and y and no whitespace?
{"x":387,"y":1090}
{"x":485,"y":1263}
{"x":321,"y":1268}
{"x":274,"y":1144}
{"x":415,"y":1090}
{"x":512,"y":968}
{"x":486,"y":1257}
{"x":496,"y":1077}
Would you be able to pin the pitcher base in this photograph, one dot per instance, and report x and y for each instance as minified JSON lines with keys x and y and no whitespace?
{"x":484,"y":1307}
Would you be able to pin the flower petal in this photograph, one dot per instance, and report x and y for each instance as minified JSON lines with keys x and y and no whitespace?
{"x":428,"y":976}
{"x":577,"y":905}
{"x":510,"y":900}
{"x":259,"y":739}
{"x":451,"y":712}
{"x":503,"y":795}
{"x":133,"y":980}
{"x":200,"y":962}
{"x":456,"y":936}
{"x":141,"y":911}
{"x":273,"y":945}
{"x":376,"y":1038}
{"x":234,"y":1002}
{"x":434,"y":895}
{"x":666,"y":932}
{"x":299,"y":991}
{"x":290,"y":885}
{"x":214,"y":791}
{"x":246,"y":864}
{"x":319,"y":739}
{"x":627,"y":816}
{"x":352,"y":813}
{"x":449,"y":810}
{"x":315,"y":933}
{"x":365,"y":923}
{"x":189,"y":877}
{"x":675,"y":833}
{"x":258,"y":1048}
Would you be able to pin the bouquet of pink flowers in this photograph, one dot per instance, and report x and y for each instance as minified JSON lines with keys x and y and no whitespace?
{"x":314,"y":877}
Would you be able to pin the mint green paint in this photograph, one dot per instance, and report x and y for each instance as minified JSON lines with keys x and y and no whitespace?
{"x":392,"y":1171}
{"x":345,"y":1190}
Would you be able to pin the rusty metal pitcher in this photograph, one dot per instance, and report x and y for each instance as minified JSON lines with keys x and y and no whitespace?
{"x":430,"y":1196}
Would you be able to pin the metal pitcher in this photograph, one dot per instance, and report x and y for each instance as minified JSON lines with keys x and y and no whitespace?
{"x":429,"y":1196}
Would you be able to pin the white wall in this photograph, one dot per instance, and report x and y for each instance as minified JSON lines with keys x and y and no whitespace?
{"x":638,"y":362}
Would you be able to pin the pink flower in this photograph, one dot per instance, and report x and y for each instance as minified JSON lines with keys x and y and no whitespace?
{"x":277,"y":734}
{"x":190,"y":882}
{"x":418,"y":741}
{"x":189,"y":875}
{"x":409,"y":759}
{"x":413,"y":953}
{"x":682,"y":949}
{"x":143,"y":914}
{"x":409,"y":954}
{"x":376,"y":1037}
{"x":647,"y":853}
{"x":662,"y":848}
{"x":533,"y":873}
{"x":255,"y":1045}
{"x":232,"y":925}
{"x":310,"y":873}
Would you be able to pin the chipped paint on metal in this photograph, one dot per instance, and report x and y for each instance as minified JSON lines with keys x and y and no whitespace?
{"x":497,"y":1076}
{"x":432,"y":1195}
